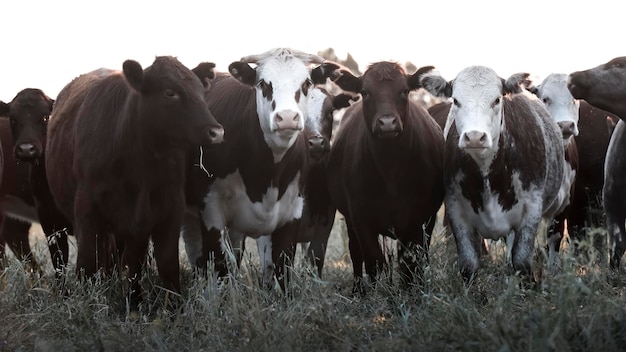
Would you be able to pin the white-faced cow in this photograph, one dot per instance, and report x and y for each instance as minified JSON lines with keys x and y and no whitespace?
{"x":28,"y":113}
{"x":564,"y":109}
{"x":385,"y":171}
{"x":604,"y":86}
{"x":503,"y":164}
{"x":254,"y":184}
{"x":116,"y":153}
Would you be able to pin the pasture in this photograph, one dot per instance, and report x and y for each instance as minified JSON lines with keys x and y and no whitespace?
{"x":582,"y":308}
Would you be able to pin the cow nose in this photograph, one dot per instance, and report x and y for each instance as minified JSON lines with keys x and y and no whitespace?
{"x":317,"y":142}
{"x":387,"y":123}
{"x":216,"y":135}
{"x":568,"y":128}
{"x":475,"y":139}
{"x":25,"y":150}
{"x":287,"y":120}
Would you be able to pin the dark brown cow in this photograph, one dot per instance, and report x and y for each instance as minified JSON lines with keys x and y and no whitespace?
{"x":253,"y":185}
{"x":16,"y":202}
{"x":385,"y":171}
{"x":604,"y":87}
{"x":586,"y":211}
{"x":116,"y":152}
{"x":28,"y":113}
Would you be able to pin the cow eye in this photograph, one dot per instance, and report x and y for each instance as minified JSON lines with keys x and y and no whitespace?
{"x":365,"y":94}
{"x":496,"y":102}
{"x":545,"y":100}
{"x":456,"y":102}
{"x":170,"y":94}
{"x":46,"y":118}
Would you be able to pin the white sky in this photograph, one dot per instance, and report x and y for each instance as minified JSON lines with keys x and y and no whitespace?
{"x":45,"y":44}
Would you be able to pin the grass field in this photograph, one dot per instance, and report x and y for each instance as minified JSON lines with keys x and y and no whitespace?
{"x":581,"y":308}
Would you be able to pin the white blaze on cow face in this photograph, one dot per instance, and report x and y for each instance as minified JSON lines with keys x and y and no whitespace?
{"x":560,"y":103}
{"x":477,"y":110}
{"x":283,"y":84}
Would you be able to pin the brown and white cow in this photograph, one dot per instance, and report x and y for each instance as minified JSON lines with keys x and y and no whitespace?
{"x":385,"y":171}
{"x":564,"y":109}
{"x":604,"y":86}
{"x":28,"y":113}
{"x":253,"y":183}
{"x":503,"y":164}
{"x":115,"y":161}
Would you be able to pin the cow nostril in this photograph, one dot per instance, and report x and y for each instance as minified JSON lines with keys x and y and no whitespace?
{"x":279,"y":118}
{"x":483,"y":138}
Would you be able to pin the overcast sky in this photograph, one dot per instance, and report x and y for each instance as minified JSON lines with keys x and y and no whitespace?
{"x":45,"y":44}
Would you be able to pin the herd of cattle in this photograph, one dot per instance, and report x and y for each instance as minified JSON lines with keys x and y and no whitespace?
{"x":124,"y":158}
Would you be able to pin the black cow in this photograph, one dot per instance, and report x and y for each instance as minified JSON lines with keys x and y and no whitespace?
{"x":385,"y":171}
{"x":28,"y":113}
{"x":115,"y":162}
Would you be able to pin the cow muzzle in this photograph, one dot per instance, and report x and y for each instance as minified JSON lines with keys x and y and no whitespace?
{"x":568,"y":129}
{"x":474,"y":140}
{"x":215,"y":134}
{"x":388,"y":126}
{"x":318,"y":147}
{"x":26,"y":152}
{"x":287,"y":120}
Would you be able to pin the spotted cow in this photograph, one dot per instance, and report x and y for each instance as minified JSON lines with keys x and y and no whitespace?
{"x":564,"y":109}
{"x":253,"y":183}
{"x":503,"y":164}
{"x":115,"y":162}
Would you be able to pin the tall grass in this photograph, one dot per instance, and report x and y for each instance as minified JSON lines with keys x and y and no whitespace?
{"x":580,"y":308}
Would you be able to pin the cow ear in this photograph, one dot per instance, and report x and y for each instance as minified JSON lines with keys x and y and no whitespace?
{"x":4,"y":109}
{"x":51,"y":102}
{"x":343,"y":100}
{"x":205,"y":71}
{"x":242,"y":72}
{"x":324,"y":71}
{"x":134,"y":74}
{"x":436,"y":85}
{"x":515,"y":83}
{"x":349,"y":82}
{"x":413,"y":80}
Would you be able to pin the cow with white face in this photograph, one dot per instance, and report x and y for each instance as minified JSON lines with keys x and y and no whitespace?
{"x":502,"y":164}
{"x":253,"y":184}
{"x":564,"y":109}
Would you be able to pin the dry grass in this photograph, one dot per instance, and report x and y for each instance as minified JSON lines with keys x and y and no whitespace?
{"x":582,"y":308}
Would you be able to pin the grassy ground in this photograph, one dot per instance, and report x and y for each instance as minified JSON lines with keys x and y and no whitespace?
{"x":582,"y":308}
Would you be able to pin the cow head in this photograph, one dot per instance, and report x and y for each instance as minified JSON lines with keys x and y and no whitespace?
{"x":603,"y":86}
{"x":384,"y":88}
{"x":28,"y":112}
{"x":283,"y":80}
{"x":477,"y":94}
{"x":560,"y":103}
{"x":319,"y":123}
{"x":172,"y":98}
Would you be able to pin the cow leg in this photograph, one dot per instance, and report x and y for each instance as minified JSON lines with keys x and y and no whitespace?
{"x":617,"y":238}
{"x":165,"y":240}
{"x":192,"y":236}
{"x":284,"y":240}
{"x":133,"y":258}
{"x":213,"y":251}
{"x":523,"y":249}
{"x":412,"y":255}
{"x":264,"y":247}
{"x":237,"y":242}
{"x":356,"y":257}
{"x":317,"y":247}
{"x":555,"y":235}
{"x":468,"y":245}
{"x":370,"y":251}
